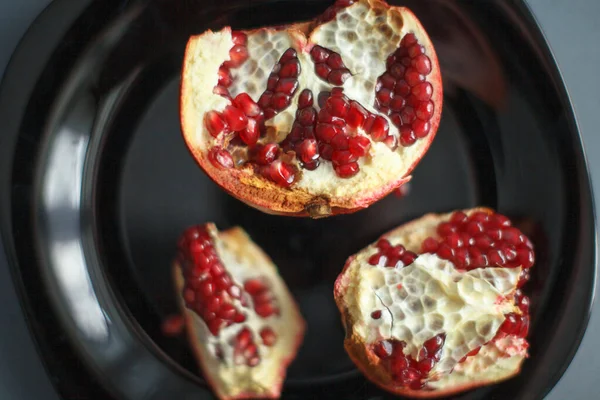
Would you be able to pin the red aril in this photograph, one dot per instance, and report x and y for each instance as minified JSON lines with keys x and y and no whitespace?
{"x":315,"y":85}
{"x":424,"y":317}
{"x":241,"y":319}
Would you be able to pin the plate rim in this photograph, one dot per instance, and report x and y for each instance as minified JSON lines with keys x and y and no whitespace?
{"x":41,"y":30}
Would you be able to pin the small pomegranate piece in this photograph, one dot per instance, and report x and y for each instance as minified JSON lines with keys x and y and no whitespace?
{"x":243,"y":308}
{"x":313,"y":90}
{"x":400,"y":296}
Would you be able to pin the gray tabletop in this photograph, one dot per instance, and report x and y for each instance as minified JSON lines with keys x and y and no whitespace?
{"x":573,"y":30}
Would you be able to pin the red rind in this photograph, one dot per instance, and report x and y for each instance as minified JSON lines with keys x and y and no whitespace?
{"x":270,"y":198}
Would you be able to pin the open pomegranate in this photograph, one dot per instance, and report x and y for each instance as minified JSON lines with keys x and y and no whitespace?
{"x":318,"y":118}
{"x":434,"y":307}
{"x":243,"y":324}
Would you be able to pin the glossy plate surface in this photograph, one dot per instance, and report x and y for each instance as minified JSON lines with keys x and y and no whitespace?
{"x":97,"y":184}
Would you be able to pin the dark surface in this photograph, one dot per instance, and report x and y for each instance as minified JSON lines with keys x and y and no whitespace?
{"x":135,"y":117}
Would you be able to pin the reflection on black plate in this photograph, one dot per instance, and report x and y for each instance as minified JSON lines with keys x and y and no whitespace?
{"x":97,"y":184}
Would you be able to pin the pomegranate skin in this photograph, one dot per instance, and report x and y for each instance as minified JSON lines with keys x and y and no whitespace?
{"x":358,"y":349}
{"x":237,"y":239}
{"x":252,"y":189}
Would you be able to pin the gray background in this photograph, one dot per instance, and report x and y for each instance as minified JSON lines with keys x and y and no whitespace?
{"x":573,"y":30}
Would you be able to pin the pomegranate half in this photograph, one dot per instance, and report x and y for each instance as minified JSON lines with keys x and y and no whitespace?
{"x":242,"y":323}
{"x":434,"y":307}
{"x":313,"y":119}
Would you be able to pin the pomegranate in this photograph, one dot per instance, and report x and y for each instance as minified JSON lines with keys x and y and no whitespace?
{"x":313,"y":119}
{"x":243,"y":324}
{"x":433,"y":307}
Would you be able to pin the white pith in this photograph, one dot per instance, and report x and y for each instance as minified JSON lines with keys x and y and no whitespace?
{"x":468,"y":307}
{"x":244,"y":260}
{"x":495,"y":361}
{"x":359,"y":35}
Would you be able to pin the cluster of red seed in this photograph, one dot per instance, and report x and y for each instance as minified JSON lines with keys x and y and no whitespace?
{"x":281,"y":85}
{"x":243,"y":116}
{"x":336,"y":129}
{"x":405,"y":370}
{"x":331,"y":134}
{"x":391,"y":256}
{"x":403,"y":93}
{"x":245,"y":351}
{"x":209,"y":289}
{"x":237,"y":55}
{"x":329,"y":66}
{"x":481,"y":240}
{"x":517,"y":324}
{"x":302,"y":136}
{"x":262,"y":298}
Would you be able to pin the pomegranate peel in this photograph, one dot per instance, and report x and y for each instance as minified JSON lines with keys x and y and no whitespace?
{"x":422,"y":327}
{"x":260,"y":328}
{"x":365,"y":43}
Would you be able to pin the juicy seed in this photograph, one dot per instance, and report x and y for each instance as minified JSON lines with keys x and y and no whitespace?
{"x":407,"y":136}
{"x":359,"y":145}
{"x":322,"y":70}
{"x":307,"y":116}
{"x":224,"y":77}
{"x":305,"y":99}
{"x":338,"y":106}
{"x":357,"y":115}
{"x":220,"y":158}
{"x":342,"y":157}
{"x":239,"y":38}
{"x":347,"y":170}
{"x":287,"y":86}
{"x":339,"y":76}
{"x":308,"y":151}
{"x":254,"y":286}
{"x":335,"y":61}
{"x":379,"y":129}
{"x":251,"y":133}
{"x":245,"y":103}
{"x":383,"y":349}
{"x":269,"y":337}
{"x":281,"y":173}
{"x":376,"y":314}
{"x":290,"y":70}
{"x":280,"y":101}
{"x":319,"y":54}
{"x":215,"y":124}
{"x":235,"y":118}
{"x":264,"y":154}
{"x":238,"y":54}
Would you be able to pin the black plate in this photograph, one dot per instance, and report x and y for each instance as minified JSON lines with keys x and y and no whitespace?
{"x":97,"y":184}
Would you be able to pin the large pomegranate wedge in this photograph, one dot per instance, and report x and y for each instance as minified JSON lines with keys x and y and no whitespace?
{"x":317,"y":118}
{"x":434,"y":307}
{"x":242,"y":322}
